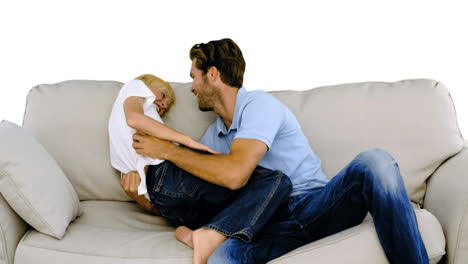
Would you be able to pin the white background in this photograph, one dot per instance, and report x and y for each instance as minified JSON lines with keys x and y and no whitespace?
{"x":287,"y":45}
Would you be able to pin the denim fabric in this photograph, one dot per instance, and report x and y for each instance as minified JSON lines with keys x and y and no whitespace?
{"x":370,"y":183}
{"x":184,"y":199}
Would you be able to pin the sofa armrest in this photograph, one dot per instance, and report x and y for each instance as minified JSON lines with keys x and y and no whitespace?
{"x":447,"y":198}
{"x":12,"y":229}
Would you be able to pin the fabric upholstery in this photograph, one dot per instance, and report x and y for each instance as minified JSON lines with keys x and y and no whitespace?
{"x":414,"y":120}
{"x":33,"y":184}
{"x":76,"y":135}
{"x":12,"y":228}
{"x":447,"y":199}
{"x":360,"y":244}
{"x":107,"y":232}
{"x":121,"y":232}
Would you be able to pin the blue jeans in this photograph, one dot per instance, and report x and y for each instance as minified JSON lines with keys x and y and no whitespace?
{"x":184,"y":199}
{"x":370,"y":183}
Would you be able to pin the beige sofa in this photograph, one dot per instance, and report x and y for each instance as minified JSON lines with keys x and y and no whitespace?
{"x":414,"y":120}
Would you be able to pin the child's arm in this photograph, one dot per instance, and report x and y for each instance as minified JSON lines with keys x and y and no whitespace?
{"x":136,"y":119}
{"x":129,"y":183}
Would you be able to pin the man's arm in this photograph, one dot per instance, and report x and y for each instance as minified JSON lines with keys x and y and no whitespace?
{"x":231,"y":170}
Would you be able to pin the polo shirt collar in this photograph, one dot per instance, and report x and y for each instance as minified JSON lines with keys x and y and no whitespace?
{"x":240,"y":100}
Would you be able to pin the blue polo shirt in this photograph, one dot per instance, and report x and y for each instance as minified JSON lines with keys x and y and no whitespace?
{"x":260,"y":115}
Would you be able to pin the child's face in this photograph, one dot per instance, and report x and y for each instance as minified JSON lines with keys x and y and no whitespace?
{"x":162,"y":99}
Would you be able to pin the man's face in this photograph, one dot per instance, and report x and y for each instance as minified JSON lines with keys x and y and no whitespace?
{"x":201,"y":89}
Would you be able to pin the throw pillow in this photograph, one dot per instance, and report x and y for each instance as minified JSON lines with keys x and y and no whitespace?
{"x":33,"y":183}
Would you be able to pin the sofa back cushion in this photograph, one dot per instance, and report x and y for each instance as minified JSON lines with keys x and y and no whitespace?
{"x":414,"y":120}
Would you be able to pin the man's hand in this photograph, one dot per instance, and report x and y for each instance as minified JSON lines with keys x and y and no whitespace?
{"x":151,"y":146}
{"x":196,"y":145}
{"x":130,"y":182}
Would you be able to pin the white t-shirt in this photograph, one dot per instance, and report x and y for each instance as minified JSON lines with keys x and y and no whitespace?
{"x":123,"y":156}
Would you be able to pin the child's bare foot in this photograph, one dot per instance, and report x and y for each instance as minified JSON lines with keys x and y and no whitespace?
{"x":184,"y":235}
{"x":205,"y":242}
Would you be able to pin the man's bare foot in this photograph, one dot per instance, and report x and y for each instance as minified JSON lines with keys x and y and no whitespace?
{"x":205,"y":242}
{"x":184,"y":235}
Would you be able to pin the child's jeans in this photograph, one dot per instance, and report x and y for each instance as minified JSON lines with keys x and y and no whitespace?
{"x":184,"y":199}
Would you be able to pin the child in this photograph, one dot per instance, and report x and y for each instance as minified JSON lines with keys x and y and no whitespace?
{"x":183,"y":199}
{"x":139,"y":104}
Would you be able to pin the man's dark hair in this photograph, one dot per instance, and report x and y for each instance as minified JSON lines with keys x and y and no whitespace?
{"x":225,"y":55}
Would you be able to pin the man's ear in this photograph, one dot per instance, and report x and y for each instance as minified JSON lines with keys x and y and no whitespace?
{"x":213,"y":74}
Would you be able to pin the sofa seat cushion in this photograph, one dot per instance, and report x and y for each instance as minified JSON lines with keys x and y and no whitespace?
{"x":121,"y":232}
{"x":360,"y":244}
{"x":107,"y":232}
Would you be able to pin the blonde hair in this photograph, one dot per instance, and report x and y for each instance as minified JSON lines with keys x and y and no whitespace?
{"x":154,"y":82}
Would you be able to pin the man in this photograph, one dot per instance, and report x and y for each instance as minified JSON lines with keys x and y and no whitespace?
{"x":254,"y":128}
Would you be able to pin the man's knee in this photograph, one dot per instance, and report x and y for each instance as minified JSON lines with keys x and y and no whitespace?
{"x":375,"y":155}
{"x":380,"y":166}
{"x":375,"y":159}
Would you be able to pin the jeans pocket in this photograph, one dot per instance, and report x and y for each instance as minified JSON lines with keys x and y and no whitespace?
{"x":174,"y":182}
